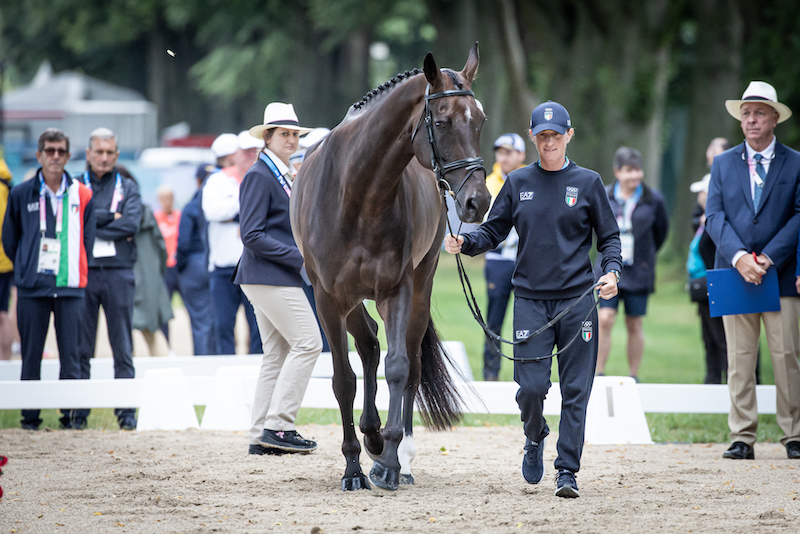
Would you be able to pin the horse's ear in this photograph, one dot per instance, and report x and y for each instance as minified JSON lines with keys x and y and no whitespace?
{"x":471,"y":67}
{"x":432,"y":72}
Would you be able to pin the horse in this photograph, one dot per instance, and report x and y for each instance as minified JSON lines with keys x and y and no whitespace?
{"x":369,"y":219}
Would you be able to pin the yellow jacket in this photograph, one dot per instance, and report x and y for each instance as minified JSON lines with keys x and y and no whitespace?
{"x":495,"y":181}
{"x":5,"y":187}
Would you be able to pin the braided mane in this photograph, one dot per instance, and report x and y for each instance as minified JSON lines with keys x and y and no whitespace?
{"x":384,"y":87}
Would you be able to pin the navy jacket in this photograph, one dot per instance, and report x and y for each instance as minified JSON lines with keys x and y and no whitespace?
{"x":649,"y":225}
{"x":270,"y":255}
{"x":555,"y":214}
{"x":21,"y":239}
{"x":121,"y":231}
{"x":192,"y":232}
{"x":734,"y":225}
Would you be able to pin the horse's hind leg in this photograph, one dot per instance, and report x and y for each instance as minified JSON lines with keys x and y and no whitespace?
{"x":344,"y":387}
{"x":364,"y":330}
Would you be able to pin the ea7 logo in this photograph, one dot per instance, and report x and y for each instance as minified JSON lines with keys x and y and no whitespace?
{"x":522,"y":334}
{"x":33,"y":206}
{"x":525,"y":195}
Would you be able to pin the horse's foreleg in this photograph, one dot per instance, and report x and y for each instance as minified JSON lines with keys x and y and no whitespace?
{"x":364,"y":330}
{"x":395,"y":311}
{"x":344,"y":387}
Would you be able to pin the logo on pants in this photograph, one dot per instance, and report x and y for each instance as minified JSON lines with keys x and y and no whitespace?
{"x":586,"y":331}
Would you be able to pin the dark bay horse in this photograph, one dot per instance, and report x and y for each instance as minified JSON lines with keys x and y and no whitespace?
{"x":369,"y":220}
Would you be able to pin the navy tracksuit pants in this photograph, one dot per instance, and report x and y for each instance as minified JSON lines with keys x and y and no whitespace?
{"x":193,"y":282}
{"x":172,"y":281}
{"x":498,"y":275}
{"x":226,"y":298}
{"x":112,"y":288}
{"x":33,"y":319}
{"x":575,"y":371}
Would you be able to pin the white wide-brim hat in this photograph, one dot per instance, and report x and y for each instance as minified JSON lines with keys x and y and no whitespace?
{"x":760,"y":92}
{"x":278,"y":115}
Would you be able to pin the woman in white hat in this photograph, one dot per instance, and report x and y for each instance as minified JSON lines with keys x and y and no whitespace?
{"x":269,"y":275}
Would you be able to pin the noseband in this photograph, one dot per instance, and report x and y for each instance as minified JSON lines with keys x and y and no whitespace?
{"x":437,"y":163}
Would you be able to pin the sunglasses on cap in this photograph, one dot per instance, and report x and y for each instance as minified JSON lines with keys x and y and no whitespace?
{"x":52,"y":151}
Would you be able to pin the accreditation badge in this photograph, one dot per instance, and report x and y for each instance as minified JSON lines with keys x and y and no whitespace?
{"x":626,"y":241}
{"x":49,"y":256}
{"x":104,"y":249}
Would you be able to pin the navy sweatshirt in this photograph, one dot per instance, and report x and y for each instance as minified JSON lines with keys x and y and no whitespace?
{"x":110,"y":228}
{"x":555,"y":214}
{"x":192,"y":232}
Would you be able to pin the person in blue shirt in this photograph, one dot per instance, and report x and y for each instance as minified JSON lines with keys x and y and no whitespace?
{"x":556,"y":207}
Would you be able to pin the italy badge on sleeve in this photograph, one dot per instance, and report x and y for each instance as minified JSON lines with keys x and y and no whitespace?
{"x":586,"y":331}
{"x":572,"y":196}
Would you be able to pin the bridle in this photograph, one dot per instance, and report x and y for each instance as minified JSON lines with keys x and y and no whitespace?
{"x":437,"y":162}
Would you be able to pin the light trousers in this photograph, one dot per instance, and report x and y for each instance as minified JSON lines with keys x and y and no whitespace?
{"x":783,"y":339}
{"x":291,"y":341}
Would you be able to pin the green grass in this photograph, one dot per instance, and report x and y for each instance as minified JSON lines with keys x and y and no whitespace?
{"x":673,"y":354}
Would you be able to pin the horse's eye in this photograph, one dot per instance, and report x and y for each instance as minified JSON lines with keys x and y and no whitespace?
{"x":440,"y":124}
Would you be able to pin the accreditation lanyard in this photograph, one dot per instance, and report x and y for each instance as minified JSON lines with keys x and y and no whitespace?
{"x":281,"y":178}
{"x":43,"y":206}
{"x":116,"y":199}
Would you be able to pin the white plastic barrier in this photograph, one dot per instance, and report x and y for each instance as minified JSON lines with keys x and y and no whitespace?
{"x":231,"y":402}
{"x":165,"y":402}
{"x":615,"y":415}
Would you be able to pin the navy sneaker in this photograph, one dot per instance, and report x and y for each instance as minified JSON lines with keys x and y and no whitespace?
{"x":261,"y":450}
{"x":566,"y":486}
{"x":287,"y":440}
{"x":533,"y":462}
{"x":127,"y":423}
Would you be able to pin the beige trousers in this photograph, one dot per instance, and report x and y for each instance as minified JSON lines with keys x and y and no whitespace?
{"x":292,"y":342}
{"x":783,"y":339}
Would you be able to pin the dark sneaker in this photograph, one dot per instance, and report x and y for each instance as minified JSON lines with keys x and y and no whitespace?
{"x":533,"y":462}
{"x":30,"y":426}
{"x":287,"y":440}
{"x":128,"y":423}
{"x":262,"y":450}
{"x":566,"y":486}
{"x":793,"y":450}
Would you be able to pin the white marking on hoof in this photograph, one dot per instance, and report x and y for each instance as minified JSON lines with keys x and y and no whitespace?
{"x":406,"y":452}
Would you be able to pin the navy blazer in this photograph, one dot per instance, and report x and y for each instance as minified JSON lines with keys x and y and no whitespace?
{"x":734,"y":225}
{"x":270,"y":255}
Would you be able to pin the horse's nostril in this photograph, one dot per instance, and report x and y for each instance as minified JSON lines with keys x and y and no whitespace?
{"x":471,"y":206}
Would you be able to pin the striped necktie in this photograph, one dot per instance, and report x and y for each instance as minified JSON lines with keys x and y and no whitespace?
{"x":759,"y":183}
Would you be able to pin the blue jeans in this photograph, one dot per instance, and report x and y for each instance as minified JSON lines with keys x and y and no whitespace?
{"x":225,"y":299}
{"x":194,"y":288}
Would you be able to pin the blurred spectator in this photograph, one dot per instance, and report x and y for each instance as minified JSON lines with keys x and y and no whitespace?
{"x":49,"y":281}
{"x":509,"y":155}
{"x":701,"y":259}
{"x":168,"y":220}
{"x":191,"y":261}
{"x":220,"y":202}
{"x":118,"y":211}
{"x":6,"y":270}
{"x":642,"y":219}
{"x":152,"y":307}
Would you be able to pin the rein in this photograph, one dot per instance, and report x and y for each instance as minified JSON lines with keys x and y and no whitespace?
{"x":471,"y":165}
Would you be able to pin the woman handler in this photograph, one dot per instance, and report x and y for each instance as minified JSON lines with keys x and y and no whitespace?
{"x":269,"y":275}
{"x":555,"y":205}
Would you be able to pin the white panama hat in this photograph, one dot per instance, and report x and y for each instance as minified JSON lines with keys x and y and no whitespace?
{"x":763,"y":93}
{"x":225,"y":145}
{"x":278,"y":115}
{"x":247,"y":141}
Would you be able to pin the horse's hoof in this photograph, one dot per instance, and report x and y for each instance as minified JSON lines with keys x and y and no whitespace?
{"x":384,"y":478}
{"x":406,"y":479}
{"x":356,"y":482}
{"x":374,"y":447}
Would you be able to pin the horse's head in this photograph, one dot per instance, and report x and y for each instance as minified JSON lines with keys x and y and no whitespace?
{"x":448,"y":136}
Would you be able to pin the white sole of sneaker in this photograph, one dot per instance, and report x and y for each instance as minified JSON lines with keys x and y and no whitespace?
{"x":567,"y":492}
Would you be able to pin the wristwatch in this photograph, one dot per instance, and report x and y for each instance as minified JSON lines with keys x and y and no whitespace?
{"x":616,"y":273}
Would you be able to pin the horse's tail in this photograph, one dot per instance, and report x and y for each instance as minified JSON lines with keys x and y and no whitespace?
{"x":438,"y":399}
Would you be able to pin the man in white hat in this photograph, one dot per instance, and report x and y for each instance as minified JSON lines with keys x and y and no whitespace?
{"x":220,"y":201}
{"x":754,"y":220}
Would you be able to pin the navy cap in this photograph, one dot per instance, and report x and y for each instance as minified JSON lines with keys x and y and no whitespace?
{"x":550,"y":116}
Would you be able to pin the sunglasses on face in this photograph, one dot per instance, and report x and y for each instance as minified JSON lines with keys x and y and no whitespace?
{"x":51,"y":151}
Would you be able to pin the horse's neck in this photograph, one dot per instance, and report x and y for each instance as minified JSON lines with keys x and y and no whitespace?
{"x":386,"y":138}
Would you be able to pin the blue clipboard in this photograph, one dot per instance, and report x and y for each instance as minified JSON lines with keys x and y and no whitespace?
{"x":729,"y":294}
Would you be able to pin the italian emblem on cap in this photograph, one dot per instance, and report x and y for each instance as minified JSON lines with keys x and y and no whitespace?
{"x":586,"y":331}
{"x":548,"y":113}
{"x":572,"y":196}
